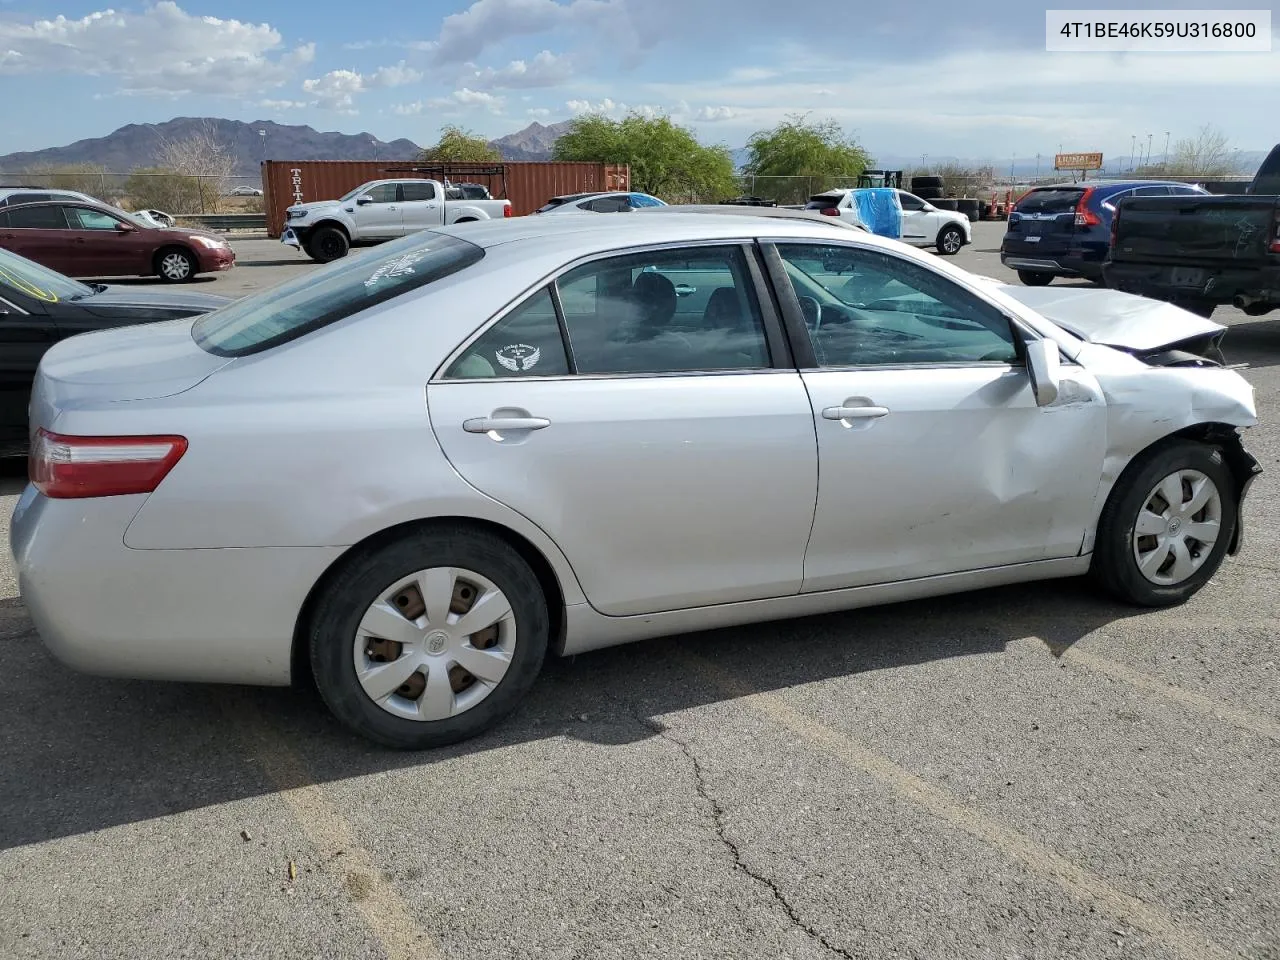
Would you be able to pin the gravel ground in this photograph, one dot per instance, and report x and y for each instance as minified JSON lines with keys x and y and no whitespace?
{"x":1028,"y":772}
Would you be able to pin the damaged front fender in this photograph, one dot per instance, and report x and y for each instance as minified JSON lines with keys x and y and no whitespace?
{"x":1148,"y":405}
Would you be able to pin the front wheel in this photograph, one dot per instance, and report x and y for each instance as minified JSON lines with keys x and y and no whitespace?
{"x":327,"y":244}
{"x":1166,"y":526}
{"x":430,"y":639}
{"x":950,"y":240}
{"x":175,"y":265}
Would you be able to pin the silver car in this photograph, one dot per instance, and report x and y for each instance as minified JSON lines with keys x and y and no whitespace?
{"x":414,"y":473}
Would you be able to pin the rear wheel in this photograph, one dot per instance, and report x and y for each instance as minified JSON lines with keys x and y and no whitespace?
{"x":327,"y":244}
{"x":1167,"y":525}
{"x":175,"y":265}
{"x":1033,"y":278}
{"x":950,"y":240}
{"x":430,"y":639}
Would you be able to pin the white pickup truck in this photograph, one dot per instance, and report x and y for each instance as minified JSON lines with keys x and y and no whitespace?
{"x":379,"y":210}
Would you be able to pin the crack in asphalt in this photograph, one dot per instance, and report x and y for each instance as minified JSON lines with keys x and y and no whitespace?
{"x":739,"y":863}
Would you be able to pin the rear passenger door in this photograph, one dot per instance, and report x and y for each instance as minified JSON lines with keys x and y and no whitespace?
{"x":39,"y":233}
{"x":421,"y":207}
{"x":670,"y":452}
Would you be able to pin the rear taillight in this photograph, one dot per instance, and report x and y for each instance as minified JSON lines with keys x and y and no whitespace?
{"x":506,"y":210}
{"x":65,"y":468}
{"x":1115,"y":227}
{"x":1275,"y":235}
{"x":829,"y":212}
{"x":1084,"y":216}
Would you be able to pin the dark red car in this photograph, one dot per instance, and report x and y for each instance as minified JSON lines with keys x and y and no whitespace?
{"x":95,"y":240}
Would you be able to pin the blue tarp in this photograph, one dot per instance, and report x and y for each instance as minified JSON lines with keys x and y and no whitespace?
{"x":880,"y":211}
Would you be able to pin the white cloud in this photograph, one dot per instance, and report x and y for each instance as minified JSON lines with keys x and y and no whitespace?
{"x":487,"y":23}
{"x":544,"y":70}
{"x":160,"y":51}
{"x":337,"y":89}
{"x":468,"y":98}
{"x":679,"y":111}
{"x":407,"y":109}
{"x":282,"y":104}
{"x":538,"y":113}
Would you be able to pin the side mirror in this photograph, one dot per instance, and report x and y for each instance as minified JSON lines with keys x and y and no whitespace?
{"x":125,"y":227}
{"x":1043,"y":362}
{"x":363,"y":199}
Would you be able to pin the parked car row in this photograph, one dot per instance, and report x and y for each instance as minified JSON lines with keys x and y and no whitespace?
{"x":1165,"y":240}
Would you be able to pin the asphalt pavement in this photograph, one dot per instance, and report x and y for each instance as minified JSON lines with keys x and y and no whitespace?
{"x":1028,"y":772}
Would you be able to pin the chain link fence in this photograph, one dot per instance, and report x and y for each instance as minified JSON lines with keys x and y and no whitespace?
{"x":174,"y":193}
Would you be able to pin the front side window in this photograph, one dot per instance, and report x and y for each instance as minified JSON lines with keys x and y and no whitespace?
{"x":414,"y":190}
{"x":865,"y":308}
{"x":524,"y":343}
{"x":310,"y":301}
{"x":382,"y":193}
{"x":664,"y":311}
{"x":37,"y":218}
{"x":910,"y":201}
{"x":82,"y":218}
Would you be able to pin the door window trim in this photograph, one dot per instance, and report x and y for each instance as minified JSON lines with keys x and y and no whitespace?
{"x":798,"y":331}
{"x":778,"y":344}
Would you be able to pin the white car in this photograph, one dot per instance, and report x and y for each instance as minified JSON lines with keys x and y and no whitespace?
{"x":416,"y":473}
{"x":923,"y":224}
{"x":245,"y":191}
{"x":614,"y":201}
{"x":379,"y":210}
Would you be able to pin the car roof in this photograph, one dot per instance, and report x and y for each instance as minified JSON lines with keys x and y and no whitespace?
{"x":736,"y":210}
{"x":1111,"y":184}
{"x":578,"y":234}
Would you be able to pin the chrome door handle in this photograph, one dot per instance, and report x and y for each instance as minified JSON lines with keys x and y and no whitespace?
{"x":854,"y":413}
{"x":684,"y":290}
{"x":489,"y":424}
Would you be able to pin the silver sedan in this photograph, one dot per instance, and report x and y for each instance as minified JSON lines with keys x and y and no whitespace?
{"x":413,"y":474}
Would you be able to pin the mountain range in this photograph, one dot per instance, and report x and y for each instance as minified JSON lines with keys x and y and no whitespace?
{"x":137,"y":145}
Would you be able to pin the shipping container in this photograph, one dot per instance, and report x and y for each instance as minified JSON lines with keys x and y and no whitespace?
{"x":527,"y":184}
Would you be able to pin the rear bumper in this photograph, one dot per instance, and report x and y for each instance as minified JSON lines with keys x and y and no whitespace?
{"x":207,"y":616}
{"x":1214,"y":284}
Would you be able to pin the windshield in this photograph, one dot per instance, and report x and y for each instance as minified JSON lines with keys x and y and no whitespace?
{"x":313,"y":300}
{"x":353,"y":194}
{"x":32,"y":280}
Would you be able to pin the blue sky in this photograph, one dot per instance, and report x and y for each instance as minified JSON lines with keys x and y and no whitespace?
{"x":969,"y":79}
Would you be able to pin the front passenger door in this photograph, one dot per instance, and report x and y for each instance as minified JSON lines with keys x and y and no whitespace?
{"x":933,"y":453}
{"x":918,"y":227}
{"x":381,"y":218}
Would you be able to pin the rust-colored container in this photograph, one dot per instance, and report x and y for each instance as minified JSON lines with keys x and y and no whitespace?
{"x":527,"y":184}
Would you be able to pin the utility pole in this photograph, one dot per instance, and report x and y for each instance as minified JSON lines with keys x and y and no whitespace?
{"x":374,"y":143}
{"x":1148,"y":149}
{"x":1133,"y":145}
{"x":1165,"y":161}
{"x":1037,"y":166}
{"x":262,"y":135}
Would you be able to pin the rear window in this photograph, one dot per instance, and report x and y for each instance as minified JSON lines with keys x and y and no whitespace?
{"x":556,"y":202}
{"x":313,"y":300}
{"x":821,"y":202}
{"x":1050,"y":201}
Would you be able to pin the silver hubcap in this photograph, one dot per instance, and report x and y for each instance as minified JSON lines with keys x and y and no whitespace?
{"x":1177,"y":527}
{"x":175,"y":266}
{"x":434,"y":644}
{"x":951,"y":242}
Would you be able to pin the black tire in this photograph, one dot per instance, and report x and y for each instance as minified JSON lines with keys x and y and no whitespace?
{"x":926,"y":182}
{"x":951,"y":237}
{"x":928,"y":193}
{"x":1034,"y":278}
{"x":175,"y":265}
{"x":969,"y":207}
{"x":327,"y":244}
{"x":345,"y":599}
{"x":1114,"y":566}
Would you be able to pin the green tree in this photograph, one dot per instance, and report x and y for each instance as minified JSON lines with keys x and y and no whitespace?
{"x":811,"y":156}
{"x":81,"y":177}
{"x":160,"y":188}
{"x":457,"y":145}
{"x":666,"y":159}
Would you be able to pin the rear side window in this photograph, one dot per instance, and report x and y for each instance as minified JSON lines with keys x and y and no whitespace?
{"x":26,"y":198}
{"x":308,"y":302}
{"x":1050,"y":201}
{"x":418,"y":191}
{"x":37,"y":218}
{"x":822,"y":203}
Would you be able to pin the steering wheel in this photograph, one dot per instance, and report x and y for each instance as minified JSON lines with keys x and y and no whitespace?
{"x":811,"y":310}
